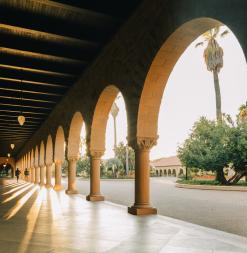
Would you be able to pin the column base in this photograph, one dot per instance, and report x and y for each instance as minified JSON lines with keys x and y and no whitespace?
{"x":71,"y":191}
{"x":138,"y":210}
{"x":95,"y":198}
{"x":58,"y":187}
{"x":48,"y":186}
{"x":36,"y":182}
{"x":41,"y":184}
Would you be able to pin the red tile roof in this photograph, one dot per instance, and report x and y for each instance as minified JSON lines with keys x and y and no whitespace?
{"x":166,"y":161}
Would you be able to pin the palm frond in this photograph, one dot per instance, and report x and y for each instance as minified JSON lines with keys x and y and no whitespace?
{"x":199,"y":44}
{"x":215,"y":31}
{"x":223,"y":34}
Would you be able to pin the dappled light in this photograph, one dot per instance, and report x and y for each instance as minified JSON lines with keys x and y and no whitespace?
{"x":16,"y":194}
{"x":20,"y":203}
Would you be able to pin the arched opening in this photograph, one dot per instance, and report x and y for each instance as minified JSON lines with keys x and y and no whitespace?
{"x":42,"y":163}
{"x":169,"y":172}
{"x":32,"y":170}
{"x":165,"y":173}
{"x":157,"y":78}
{"x":59,"y":156}
{"x":161,"y":173}
{"x":108,"y":136}
{"x":6,"y":170}
{"x":74,"y":135}
{"x":36,"y":165}
{"x":73,"y":150}
{"x":174,"y":173}
{"x":161,"y":69}
{"x":100,"y":117}
{"x":49,"y":161}
{"x":181,"y":173}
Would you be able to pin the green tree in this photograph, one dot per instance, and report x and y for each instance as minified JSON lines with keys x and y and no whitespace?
{"x":115,"y":165}
{"x":83,"y":166}
{"x":213,"y":57}
{"x":206,"y":148}
{"x":215,"y":146}
{"x":242,"y":115}
{"x":121,"y":155}
{"x":237,"y":150}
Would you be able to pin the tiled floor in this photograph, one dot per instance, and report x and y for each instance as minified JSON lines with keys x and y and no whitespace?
{"x":40,"y":220}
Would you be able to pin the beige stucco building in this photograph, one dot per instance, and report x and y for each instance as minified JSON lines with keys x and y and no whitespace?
{"x":168,"y":166}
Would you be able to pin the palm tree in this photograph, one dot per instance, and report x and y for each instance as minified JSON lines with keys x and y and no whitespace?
{"x":243,"y":112}
{"x":213,"y":56}
{"x":114,"y":113}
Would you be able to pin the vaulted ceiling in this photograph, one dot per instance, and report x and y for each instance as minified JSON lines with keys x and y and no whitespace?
{"x":44,"y":47}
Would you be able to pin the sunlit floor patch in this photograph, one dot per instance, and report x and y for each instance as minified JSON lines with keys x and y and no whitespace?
{"x":54,"y":222}
{"x":16,"y":194}
{"x":15,"y":189}
{"x":19,"y":204}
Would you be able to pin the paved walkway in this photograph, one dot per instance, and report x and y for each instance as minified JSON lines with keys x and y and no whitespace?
{"x":39,"y":220}
{"x":221,"y":210}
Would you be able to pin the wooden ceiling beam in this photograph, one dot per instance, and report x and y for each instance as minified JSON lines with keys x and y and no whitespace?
{"x":41,"y":57}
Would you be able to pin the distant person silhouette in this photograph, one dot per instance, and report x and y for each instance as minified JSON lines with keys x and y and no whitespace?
{"x":17,"y":174}
{"x":26,"y":173}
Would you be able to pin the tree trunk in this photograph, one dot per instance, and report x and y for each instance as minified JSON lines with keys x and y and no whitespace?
{"x":220,"y":177}
{"x":217,"y":96}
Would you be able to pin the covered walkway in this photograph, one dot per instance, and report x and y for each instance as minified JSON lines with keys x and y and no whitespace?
{"x":43,"y":220}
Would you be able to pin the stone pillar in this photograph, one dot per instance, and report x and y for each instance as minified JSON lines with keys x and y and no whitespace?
{"x":42,"y":175}
{"x":37,"y":175}
{"x":58,"y":176}
{"x":142,"y":170}
{"x":48,"y":176}
{"x":72,"y":176}
{"x":32,"y":174}
{"x":95,"y":194}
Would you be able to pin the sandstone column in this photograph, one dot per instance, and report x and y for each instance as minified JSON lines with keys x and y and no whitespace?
{"x":142,"y":205}
{"x":33,"y":175}
{"x":95,"y":194}
{"x":37,"y":175}
{"x":72,"y":176}
{"x":42,"y":175}
{"x":48,"y":176}
{"x":58,"y":176}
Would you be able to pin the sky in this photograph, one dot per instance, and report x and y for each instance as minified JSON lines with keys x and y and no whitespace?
{"x":188,"y":95}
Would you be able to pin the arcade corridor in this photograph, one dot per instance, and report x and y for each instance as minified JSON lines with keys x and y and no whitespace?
{"x":62,"y":65}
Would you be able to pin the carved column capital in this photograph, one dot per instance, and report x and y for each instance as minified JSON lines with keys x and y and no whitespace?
{"x":73,"y":158}
{"x":97,"y":154}
{"x":58,"y":162}
{"x":146,"y":143}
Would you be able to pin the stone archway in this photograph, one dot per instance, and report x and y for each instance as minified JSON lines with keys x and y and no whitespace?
{"x":160,"y":70}
{"x":174,"y":173}
{"x":100,"y":117}
{"x":59,"y":155}
{"x":32,"y":169}
{"x":73,"y":150}
{"x":42,"y":163}
{"x":97,"y":138}
{"x":36,"y":165}
{"x":151,"y":96}
{"x":181,"y":172}
{"x":74,"y":135}
{"x":49,"y":161}
{"x":169,"y":172}
{"x":6,"y":169}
